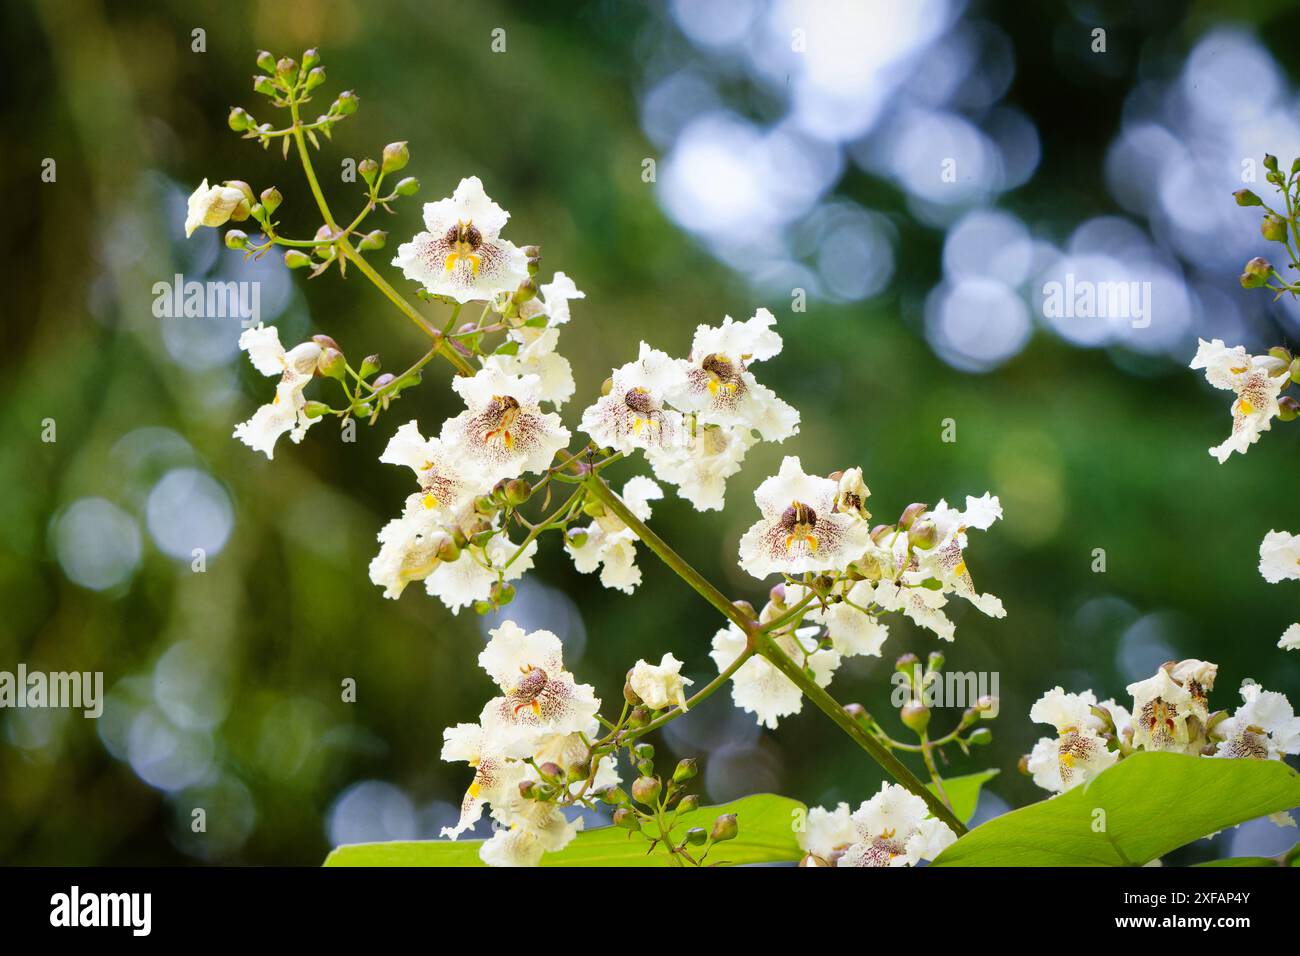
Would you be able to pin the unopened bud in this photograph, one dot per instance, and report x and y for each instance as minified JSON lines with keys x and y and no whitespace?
{"x":518,"y":491}
{"x":881,"y":531}
{"x":235,"y":239}
{"x":923,"y":534}
{"x":331,"y":363}
{"x":1245,"y":197}
{"x":724,"y":828}
{"x":1273,"y":228}
{"x":688,"y":803}
{"x":697,"y":836}
{"x":369,"y":366}
{"x":315,"y":78}
{"x":980,"y":737}
{"x":310,"y":58}
{"x":745,"y":608}
{"x":264,"y":85}
{"x":911,"y":513}
{"x":346,"y":103}
{"x":777,"y":594}
{"x":1256,"y":274}
{"x":502,"y":593}
{"x":915,"y":715}
{"x":645,"y":790}
{"x":935,"y":661}
{"x":1287,"y":408}
{"x":407,"y":187}
{"x":296,"y":259}
{"x":271,"y":199}
{"x":315,"y":409}
{"x":374,"y":239}
{"x":614,"y":796}
{"x":368,"y":169}
{"x":286,"y":68}
{"x":627,"y":818}
{"x":266,"y":61}
{"x":240,"y":119}
{"x":395,"y":157}
{"x":1270,"y":162}
{"x":638,"y":718}
{"x":686,"y":770}
{"x":907,"y":664}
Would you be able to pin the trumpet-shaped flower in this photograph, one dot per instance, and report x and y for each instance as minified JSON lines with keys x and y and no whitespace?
{"x":610,"y":545}
{"x":945,"y":560}
{"x":758,"y":687}
{"x":894,"y":828}
{"x":213,"y":206}
{"x":533,"y":351}
{"x":287,"y":411}
{"x":411,"y":547}
{"x":660,"y":685}
{"x":444,"y":483}
{"x":826,"y":835}
{"x":634,"y":414}
{"x":495,"y":776}
{"x":1256,"y":385}
{"x":800,"y":530}
{"x":1265,"y":727}
{"x":503,"y":431}
{"x":852,"y":629}
{"x":700,"y":464}
{"x":1079,"y":752}
{"x":720,"y":389}
{"x":1162,"y":709}
{"x":462,"y":255}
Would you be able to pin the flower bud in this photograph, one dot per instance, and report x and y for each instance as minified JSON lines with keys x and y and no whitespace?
{"x":1273,"y":228}
{"x":266,"y":61}
{"x":613,"y":796}
{"x":911,"y":513}
{"x":407,"y":187}
{"x":638,"y":718}
{"x":857,"y":712}
{"x":745,"y":608}
{"x":1245,"y":197}
{"x":627,"y":818}
{"x":1270,"y":162}
{"x":264,"y":85}
{"x":310,"y":58}
{"x":551,"y":772}
{"x":686,"y":770}
{"x":629,"y":695}
{"x":882,"y":531}
{"x":395,"y":157}
{"x":502,"y":593}
{"x":448,"y":550}
{"x":645,"y":768}
{"x":369,"y":366}
{"x":915,"y":715}
{"x":907,"y":664}
{"x":576,"y":539}
{"x":331,"y":364}
{"x":724,"y":828}
{"x":645,"y":790}
{"x":271,"y":199}
{"x":935,"y":661}
{"x":1281,"y":353}
{"x":296,"y":259}
{"x":240,"y":119}
{"x":697,"y":836}
{"x":528,"y":789}
{"x":644,"y":751}
{"x":346,"y":104}
{"x":286,"y":68}
{"x":518,"y":491}
{"x":315,"y":78}
{"x":1287,"y":408}
{"x":923,"y":534}
{"x":1023,"y":765}
{"x":777,"y":594}
{"x":315,"y":409}
{"x":236,"y":239}
{"x":688,"y":804}
{"x":593,"y":508}
{"x":1256,"y":274}
{"x":980,"y":737}
{"x":373,"y":240}
{"x":368,"y":169}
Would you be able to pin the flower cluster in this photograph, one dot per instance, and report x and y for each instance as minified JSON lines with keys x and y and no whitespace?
{"x":893,"y":828}
{"x":1170,"y":713}
{"x":840,"y":574}
{"x":530,"y":749}
{"x":695,"y":418}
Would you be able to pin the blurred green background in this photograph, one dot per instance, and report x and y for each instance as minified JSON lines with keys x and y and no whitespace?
{"x":224,"y":687}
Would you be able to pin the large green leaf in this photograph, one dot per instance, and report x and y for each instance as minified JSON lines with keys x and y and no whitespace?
{"x":1141,"y":808}
{"x":964,"y":791}
{"x":1290,"y":858}
{"x":767,"y":835}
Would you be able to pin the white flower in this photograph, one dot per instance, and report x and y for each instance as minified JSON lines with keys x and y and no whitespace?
{"x":540,"y":696}
{"x":634,"y":415}
{"x":660,"y":685}
{"x":800,"y":529}
{"x":213,"y":206}
{"x":758,"y":687}
{"x":536,"y":339}
{"x":536,"y":827}
{"x":922,"y":605}
{"x":445,"y":485}
{"x":286,"y":412}
{"x":1161,"y":709}
{"x":411,"y":547}
{"x":945,"y":560}
{"x":607,"y":543}
{"x":1279,"y":556}
{"x":701,"y":464}
{"x":469,"y":578}
{"x":894,"y":828}
{"x":461,"y":255}
{"x":851,"y":493}
{"x":1080,"y":753}
{"x":852,"y":630}
{"x":1257,"y":388}
{"x":552,"y":301}
{"x":494,"y":774}
{"x":503,"y":430}
{"x":1264,"y":727}
{"x":826,"y":834}
{"x":719,"y":387}
{"x":1290,"y":640}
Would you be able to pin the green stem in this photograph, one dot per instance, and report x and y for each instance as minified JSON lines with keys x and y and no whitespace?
{"x":828,"y":705}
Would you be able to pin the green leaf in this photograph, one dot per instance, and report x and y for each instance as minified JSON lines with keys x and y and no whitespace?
{"x":964,"y":791}
{"x":767,"y":835}
{"x":1149,"y":803}
{"x":1290,"y":858}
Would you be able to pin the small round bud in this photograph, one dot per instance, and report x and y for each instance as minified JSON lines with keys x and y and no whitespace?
{"x":1257,"y":272}
{"x":271,"y":199}
{"x":724,"y":828}
{"x":1245,"y":197}
{"x":645,"y":767}
{"x":315,"y":78}
{"x":296,"y":259}
{"x":368,"y":169}
{"x":448,"y":550}
{"x":638,"y":718}
{"x":315,"y":409}
{"x":1270,"y":162}
{"x":856,"y":711}
{"x":1287,"y":408}
{"x":627,"y":818}
{"x":777,"y":594}
{"x":907,"y":663}
{"x":645,"y":790}
{"x":593,"y":508}
{"x":606,"y":387}
{"x":395,"y":157}
{"x":1023,"y":765}
{"x":1273,"y":228}
{"x":614,"y":796}
{"x":1295,"y":370}
{"x":915,"y":715}
{"x":379,"y":381}
{"x":331,"y":363}
{"x":881,"y":531}
{"x":686,"y":770}
{"x":980,"y":737}
{"x":369,"y":366}
{"x":644,"y":751}
{"x":235,"y":239}
{"x":577,"y":538}
{"x":240,"y":119}
{"x":286,"y":68}
{"x":407,"y":187}
{"x":551,"y":772}
{"x":629,"y":695}
{"x":528,"y":789}
{"x":911,"y":513}
{"x":688,"y":803}
{"x":264,"y":85}
{"x":935,"y":661}
{"x":923,"y":534}
{"x":697,"y":836}
{"x":266,"y":61}
{"x":1281,"y":353}
{"x":310,"y":58}
{"x":502,"y":594}
{"x":374,"y":239}
{"x":518,"y":491}
{"x":745,"y":608}
{"x":346,"y":104}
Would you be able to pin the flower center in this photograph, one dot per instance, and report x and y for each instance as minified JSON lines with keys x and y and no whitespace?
{"x":505,"y":411}
{"x":529,"y":689}
{"x":798,"y":522}
{"x":465,"y":241}
{"x":724,"y":375}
